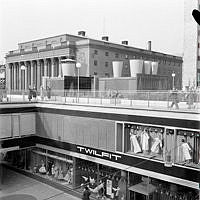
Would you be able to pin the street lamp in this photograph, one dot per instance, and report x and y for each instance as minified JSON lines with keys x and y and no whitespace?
{"x":78,"y":66}
{"x":23,"y":68}
{"x":173,"y":79}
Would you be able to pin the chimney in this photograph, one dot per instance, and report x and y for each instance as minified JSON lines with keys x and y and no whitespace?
{"x":149,"y":46}
{"x":125,"y":42}
{"x":81,"y":33}
{"x":105,"y":38}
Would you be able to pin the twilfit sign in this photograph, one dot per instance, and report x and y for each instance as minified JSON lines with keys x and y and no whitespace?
{"x":98,"y":153}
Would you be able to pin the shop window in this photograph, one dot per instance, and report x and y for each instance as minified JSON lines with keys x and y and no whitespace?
{"x":95,"y":62}
{"x":187,"y":148}
{"x":147,"y":141}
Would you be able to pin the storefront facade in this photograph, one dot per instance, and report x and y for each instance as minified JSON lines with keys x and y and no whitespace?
{"x":118,"y":156}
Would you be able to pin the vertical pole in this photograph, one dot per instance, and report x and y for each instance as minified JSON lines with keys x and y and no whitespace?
{"x":78,"y":85}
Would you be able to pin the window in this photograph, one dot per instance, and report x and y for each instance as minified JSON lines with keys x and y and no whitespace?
{"x":95,"y":62}
{"x":106,"y":53}
{"x":143,"y":140}
{"x":116,"y":55}
{"x":106,"y":64}
{"x":95,"y":52}
{"x":107,"y":75}
{"x":187,"y":148}
{"x":48,"y":46}
{"x":95,"y":73}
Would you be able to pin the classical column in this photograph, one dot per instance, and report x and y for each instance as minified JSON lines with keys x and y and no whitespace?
{"x":59,"y":67}
{"x":25,"y":76}
{"x":20,"y":78}
{"x":38,"y":77}
{"x":11,"y":76}
{"x":52,"y":67}
{"x":8,"y":76}
{"x":32,"y":74}
{"x":14,"y":76}
{"x":45,"y":67}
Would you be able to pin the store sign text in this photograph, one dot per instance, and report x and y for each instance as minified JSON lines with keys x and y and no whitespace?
{"x":98,"y":153}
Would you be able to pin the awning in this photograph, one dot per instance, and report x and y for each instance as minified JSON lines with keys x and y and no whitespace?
{"x":143,"y":188}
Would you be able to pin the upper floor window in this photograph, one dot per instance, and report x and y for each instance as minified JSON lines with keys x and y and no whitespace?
{"x":106,"y":53}
{"x":116,"y":55}
{"x":106,"y":64}
{"x":107,"y":75}
{"x":48,"y":46}
{"x":95,"y":52}
{"x":95,"y":62}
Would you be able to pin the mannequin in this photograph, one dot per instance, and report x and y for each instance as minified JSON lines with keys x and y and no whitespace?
{"x":157,"y":145}
{"x":135,"y":147}
{"x":145,"y":141}
{"x":42,"y":169}
{"x":186,"y":151}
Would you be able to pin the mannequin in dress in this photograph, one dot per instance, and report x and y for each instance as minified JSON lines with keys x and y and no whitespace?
{"x":135,"y":147}
{"x":145,"y":141}
{"x":186,"y":151}
{"x":157,"y":145}
{"x":42,"y":169}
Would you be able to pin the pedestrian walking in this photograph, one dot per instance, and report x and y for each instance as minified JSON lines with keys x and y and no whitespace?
{"x":41,"y":92}
{"x":29,"y":93}
{"x":48,"y":92}
{"x":34,"y":92}
{"x":86,"y":193}
{"x":175,"y":100}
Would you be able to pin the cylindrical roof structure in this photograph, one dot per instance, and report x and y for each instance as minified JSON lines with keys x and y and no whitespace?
{"x":136,"y":67}
{"x":68,"y":67}
{"x":117,"y":68}
{"x":154,"y":68}
{"x":147,"y":67}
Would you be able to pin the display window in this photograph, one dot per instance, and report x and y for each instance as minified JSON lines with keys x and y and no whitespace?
{"x":42,"y":162}
{"x":187,"y":148}
{"x":143,"y":140}
{"x":103,"y":181}
{"x":146,"y":188}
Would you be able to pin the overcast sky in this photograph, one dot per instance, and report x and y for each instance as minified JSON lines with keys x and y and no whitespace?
{"x":137,"y":21}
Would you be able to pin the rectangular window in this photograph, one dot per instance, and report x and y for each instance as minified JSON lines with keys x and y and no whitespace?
{"x":106,"y":53}
{"x":106,"y":64}
{"x":95,"y":52}
{"x":48,"y":46}
{"x":107,"y":75}
{"x":116,"y":55}
{"x":143,"y":140}
{"x":95,"y":62}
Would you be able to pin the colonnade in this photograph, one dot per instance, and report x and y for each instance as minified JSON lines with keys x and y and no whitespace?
{"x":20,"y":78}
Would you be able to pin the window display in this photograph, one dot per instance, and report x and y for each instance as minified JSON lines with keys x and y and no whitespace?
{"x":143,"y":140}
{"x":187,"y":148}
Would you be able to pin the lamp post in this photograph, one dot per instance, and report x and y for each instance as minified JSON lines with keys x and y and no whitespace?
{"x":78,"y":66}
{"x":173,"y":80}
{"x":23,"y":68}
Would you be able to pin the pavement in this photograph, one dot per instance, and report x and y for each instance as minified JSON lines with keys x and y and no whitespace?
{"x":20,"y":187}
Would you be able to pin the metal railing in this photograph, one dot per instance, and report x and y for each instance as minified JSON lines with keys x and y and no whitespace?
{"x":178,"y":100}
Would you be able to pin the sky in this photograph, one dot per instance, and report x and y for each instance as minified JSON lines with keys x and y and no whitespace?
{"x":137,"y":21}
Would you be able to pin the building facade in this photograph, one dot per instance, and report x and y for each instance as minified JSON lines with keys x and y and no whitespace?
{"x":43,"y":58}
{"x":67,"y":146}
{"x":191,"y":58}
